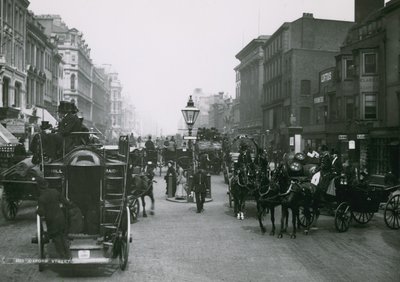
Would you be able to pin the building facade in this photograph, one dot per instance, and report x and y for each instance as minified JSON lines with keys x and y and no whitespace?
{"x":249,"y":95}
{"x":12,"y":58}
{"x":364,"y":119}
{"x":293,"y":57}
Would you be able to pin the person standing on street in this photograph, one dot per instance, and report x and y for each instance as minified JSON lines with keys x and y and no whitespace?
{"x":200,"y":187}
{"x":49,"y":206}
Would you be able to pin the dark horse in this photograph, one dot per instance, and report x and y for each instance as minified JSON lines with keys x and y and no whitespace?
{"x":142,"y":186}
{"x":242,"y":184}
{"x":268,"y":198}
{"x":294,"y":192}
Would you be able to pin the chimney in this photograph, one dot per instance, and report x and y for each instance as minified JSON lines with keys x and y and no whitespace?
{"x":308,"y":15}
{"x":363,"y":8}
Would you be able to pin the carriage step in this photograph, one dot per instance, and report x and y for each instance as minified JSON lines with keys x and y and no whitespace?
{"x":81,"y":236}
{"x":109,"y":244}
{"x":112,"y":210}
{"x":108,"y":226}
{"x":84,"y":246}
{"x":114,"y":177}
{"x":114,"y":195}
{"x":109,"y":205}
{"x":53,"y":177}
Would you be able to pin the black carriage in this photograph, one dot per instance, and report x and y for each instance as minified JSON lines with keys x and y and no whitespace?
{"x":392,"y":207}
{"x":96,"y":182}
{"x":209,"y":154}
{"x":232,"y":157}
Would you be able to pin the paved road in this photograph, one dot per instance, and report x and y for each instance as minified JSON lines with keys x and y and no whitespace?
{"x":177,"y":244}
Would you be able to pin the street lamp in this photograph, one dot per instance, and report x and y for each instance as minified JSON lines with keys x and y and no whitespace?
{"x":190,"y":114}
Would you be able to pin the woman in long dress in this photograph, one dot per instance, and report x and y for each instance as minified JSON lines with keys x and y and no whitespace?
{"x":181,"y":184}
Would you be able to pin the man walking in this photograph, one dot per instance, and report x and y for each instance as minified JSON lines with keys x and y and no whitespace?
{"x":200,"y":187}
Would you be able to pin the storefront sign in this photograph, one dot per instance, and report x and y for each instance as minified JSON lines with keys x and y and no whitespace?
{"x":318,"y":100}
{"x":342,"y":137}
{"x":326,"y":76}
{"x":352,"y":145}
{"x":369,"y":83}
{"x":291,"y":141}
{"x":361,"y":136}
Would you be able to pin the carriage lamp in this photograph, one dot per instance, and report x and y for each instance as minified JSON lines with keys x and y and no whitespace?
{"x":190,"y":114}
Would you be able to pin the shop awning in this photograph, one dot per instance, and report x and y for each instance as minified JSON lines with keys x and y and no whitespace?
{"x":42,"y":114}
{"x":6,"y":136}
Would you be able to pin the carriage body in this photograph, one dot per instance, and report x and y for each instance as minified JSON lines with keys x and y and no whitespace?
{"x":212,"y":151}
{"x":95,"y":180}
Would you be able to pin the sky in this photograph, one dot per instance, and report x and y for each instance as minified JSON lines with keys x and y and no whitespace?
{"x":164,"y":49}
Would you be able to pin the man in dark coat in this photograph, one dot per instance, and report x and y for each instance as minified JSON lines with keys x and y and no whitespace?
{"x":200,"y":188}
{"x":171,"y":172}
{"x":19,"y":151}
{"x":149,"y":145}
{"x":46,"y":141}
{"x":49,"y":206}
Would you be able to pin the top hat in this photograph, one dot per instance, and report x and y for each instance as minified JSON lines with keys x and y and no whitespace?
{"x":65,"y":107}
{"x":45,"y":125}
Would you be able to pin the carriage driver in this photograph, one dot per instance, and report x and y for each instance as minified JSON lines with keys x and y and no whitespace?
{"x":244,"y":160}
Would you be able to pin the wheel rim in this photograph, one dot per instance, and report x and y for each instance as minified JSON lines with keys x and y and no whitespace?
{"x":39,"y":230}
{"x":9,"y":208}
{"x":392,"y":212}
{"x":124,"y":243}
{"x":362,"y":217}
{"x":302,"y":218}
{"x":342,"y":217}
{"x":133,"y":208}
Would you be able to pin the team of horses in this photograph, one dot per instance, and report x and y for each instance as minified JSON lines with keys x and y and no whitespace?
{"x":290,"y":192}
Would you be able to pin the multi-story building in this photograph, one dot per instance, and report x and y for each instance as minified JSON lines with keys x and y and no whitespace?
{"x":77,"y":65}
{"x":42,"y":65}
{"x":293,"y":57}
{"x":116,"y":102}
{"x":99,"y":97}
{"x":249,"y":94}
{"x":364,"y":111}
{"x":220,"y":114}
{"x":12,"y":58}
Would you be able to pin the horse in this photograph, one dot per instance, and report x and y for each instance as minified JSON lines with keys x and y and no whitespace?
{"x":293,"y":192}
{"x":268,"y":198}
{"x":143,"y":186}
{"x":242,"y":184}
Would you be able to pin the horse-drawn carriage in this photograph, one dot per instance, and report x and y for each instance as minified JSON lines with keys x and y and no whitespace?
{"x":209,"y":154}
{"x":96,"y":183}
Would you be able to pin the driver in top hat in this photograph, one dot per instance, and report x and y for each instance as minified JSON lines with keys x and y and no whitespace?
{"x":70,"y":122}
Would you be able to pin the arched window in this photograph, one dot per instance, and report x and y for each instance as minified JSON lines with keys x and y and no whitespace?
{"x":72,"y":81}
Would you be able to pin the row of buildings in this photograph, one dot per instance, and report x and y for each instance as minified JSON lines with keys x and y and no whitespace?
{"x":42,"y":62}
{"x":317,"y":82}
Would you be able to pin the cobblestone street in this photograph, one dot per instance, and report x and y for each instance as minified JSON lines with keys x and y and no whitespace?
{"x":177,"y":244}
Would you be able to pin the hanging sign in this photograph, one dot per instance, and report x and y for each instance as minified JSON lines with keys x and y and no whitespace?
{"x":352,"y":145}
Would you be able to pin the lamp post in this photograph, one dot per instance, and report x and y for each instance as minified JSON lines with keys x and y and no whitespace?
{"x":190,"y":114}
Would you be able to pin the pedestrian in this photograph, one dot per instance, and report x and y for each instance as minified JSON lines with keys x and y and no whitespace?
{"x":50,"y":204}
{"x":336,"y":163}
{"x":200,"y":188}
{"x":181,"y":183}
{"x":170,"y":178}
{"x":149,"y":145}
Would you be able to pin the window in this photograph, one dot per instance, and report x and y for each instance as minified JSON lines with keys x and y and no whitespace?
{"x":305,"y":87}
{"x":370,"y":106}
{"x":73,"y":82}
{"x":370,"y":65}
{"x":348,"y":69}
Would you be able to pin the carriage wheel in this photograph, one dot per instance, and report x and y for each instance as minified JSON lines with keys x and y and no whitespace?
{"x":39,"y":230}
{"x":392,"y":212}
{"x":343,"y":217}
{"x":124,"y":242}
{"x":134,"y":208}
{"x":9,"y":208}
{"x":362,"y":217}
{"x":301,"y":217}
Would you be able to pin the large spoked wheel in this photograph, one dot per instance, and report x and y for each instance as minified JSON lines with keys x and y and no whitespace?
{"x":134,"y":208}
{"x":392,"y":212}
{"x":9,"y":208}
{"x":302,"y":219}
{"x":40,"y":237}
{"x":343,"y":217}
{"x":124,"y":242}
{"x":362,"y":217}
